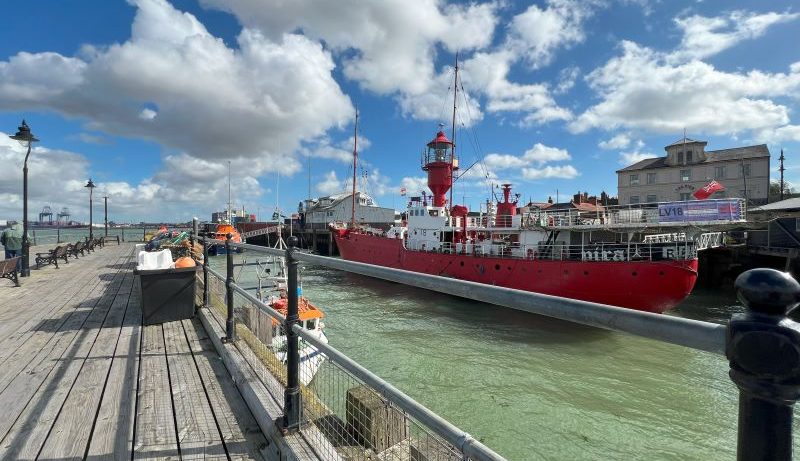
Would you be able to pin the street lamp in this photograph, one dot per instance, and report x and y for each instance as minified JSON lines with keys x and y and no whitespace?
{"x":105,"y":208}
{"x":26,"y":139}
{"x":91,"y":187}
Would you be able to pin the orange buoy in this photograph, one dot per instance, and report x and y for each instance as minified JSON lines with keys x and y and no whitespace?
{"x":184,"y":262}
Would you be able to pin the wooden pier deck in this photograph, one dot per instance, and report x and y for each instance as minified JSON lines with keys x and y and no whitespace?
{"x":81,"y":378}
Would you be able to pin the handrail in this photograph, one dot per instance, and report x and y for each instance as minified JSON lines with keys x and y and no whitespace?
{"x":449,"y":432}
{"x":696,"y":334}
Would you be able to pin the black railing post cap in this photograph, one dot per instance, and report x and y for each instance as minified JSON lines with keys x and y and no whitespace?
{"x":293,"y":241}
{"x":768,"y":291}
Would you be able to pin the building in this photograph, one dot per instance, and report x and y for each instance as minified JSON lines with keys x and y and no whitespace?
{"x":318,"y":213}
{"x":743,"y":171}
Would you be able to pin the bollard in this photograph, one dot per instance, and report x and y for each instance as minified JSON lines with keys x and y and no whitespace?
{"x":230,"y":332}
{"x":291,"y":397}
{"x":763,"y":347}
{"x":205,"y":271}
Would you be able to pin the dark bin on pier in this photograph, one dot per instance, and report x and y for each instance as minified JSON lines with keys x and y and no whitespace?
{"x":167,"y":294}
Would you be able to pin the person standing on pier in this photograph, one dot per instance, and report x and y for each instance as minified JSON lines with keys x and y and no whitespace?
{"x":12,"y":242}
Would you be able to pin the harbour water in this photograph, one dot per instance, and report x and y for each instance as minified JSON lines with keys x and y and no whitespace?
{"x":532,"y":387}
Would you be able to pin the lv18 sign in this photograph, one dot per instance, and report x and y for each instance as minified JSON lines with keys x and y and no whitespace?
{"x":700,"y":210}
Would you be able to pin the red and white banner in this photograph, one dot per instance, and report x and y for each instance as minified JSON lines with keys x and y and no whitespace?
{"x":403,"y":191}
{"x":708,"y":190}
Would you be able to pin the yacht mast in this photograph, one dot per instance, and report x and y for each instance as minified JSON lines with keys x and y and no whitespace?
{"x":355,"y":163}
{"x":453,"y":136}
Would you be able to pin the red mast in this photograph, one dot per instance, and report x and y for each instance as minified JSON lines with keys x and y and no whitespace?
{"x":355,"y":163}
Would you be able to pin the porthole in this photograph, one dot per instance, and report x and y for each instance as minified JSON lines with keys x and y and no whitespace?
{"x":634,"y":273}
{"x":497,"y":267}
{"x":585,"y":272}
{"x":462,"y":263}
{"x":661,"y":273}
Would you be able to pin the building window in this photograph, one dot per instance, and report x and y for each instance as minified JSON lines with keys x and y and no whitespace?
{"x":652,"y":198}
{"x":680,"y":157}
{"x":634,"y":199}
{"x":745,"y":170}
{"x":685,"y":196}
{"x":689,"y":156}
{"x":686,"y":175}
{"x":719,"y":172}
{"x":634,"y":180}
{"x":651,"y":178}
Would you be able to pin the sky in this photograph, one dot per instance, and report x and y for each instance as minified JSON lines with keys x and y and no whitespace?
{"x":153,"y":98}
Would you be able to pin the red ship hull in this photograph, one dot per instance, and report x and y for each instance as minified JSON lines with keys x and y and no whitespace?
{"x":653,"y":286}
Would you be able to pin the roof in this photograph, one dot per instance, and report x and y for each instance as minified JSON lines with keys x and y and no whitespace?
{"x":683,"y":141}
{"x":783,"y":205}
{"x":712,"y":156}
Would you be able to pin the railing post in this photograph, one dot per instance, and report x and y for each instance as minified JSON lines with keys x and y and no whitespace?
{"x":205,"y":272}
{"x":230,"y":328}
{"x":291,"y":402}
{"x":58,"y":235}
{"x":123,"y":233}
{"x":144,"y":233}
{"x":763,"y":347}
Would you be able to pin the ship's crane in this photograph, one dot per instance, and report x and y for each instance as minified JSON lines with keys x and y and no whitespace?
{"x":64,"y":213}
{"x":46,"y":213}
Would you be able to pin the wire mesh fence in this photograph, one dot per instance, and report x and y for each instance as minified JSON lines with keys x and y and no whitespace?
{"x":349,"y":419}
{"x":342,"y":416}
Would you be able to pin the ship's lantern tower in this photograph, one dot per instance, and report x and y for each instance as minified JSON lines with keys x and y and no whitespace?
{"x":440,"y":163}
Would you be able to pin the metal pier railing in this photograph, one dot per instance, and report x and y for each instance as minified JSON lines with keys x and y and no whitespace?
{"x":762,"y":346}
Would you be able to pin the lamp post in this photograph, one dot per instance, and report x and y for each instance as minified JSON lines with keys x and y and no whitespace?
{"x":105,"y":207}
{"x":91,"y":187}
{"x":26,"y":139}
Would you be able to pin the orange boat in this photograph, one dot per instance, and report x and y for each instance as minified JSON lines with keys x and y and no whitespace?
{"x":221,"y":233}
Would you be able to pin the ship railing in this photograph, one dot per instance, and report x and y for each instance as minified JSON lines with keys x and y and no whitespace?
{"x":761,"y":345}
{"x":345,"y":411}
{"x":592,"y":251}
{"x":718,"y":211}
{"x":55,"y":235}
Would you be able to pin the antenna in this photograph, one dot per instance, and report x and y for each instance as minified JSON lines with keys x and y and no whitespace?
{"x":781,"y":169}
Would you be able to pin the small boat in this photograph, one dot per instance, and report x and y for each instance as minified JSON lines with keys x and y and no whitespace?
{"x":273,"y":272}
{"x":221,"y":233}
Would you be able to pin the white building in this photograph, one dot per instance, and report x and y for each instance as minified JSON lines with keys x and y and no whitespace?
{"x":743,"y":171}
{"x":318,"y":213}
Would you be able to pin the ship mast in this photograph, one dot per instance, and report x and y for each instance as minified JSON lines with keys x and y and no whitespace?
{"x":355,"y":163}
{"x":453,"y":136}
{"x":230,"y":217}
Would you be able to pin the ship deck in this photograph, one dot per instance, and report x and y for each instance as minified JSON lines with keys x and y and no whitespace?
{"x":81,"y":378}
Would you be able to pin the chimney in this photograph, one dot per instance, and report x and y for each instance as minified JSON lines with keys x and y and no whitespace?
{"x":593,"y":200}
{"x":576,"y":199}
{"x":550,"y":199}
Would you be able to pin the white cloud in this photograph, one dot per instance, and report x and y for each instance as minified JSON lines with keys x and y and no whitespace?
{"x":547,"y":172}
{"x":629,"y":158}
{"x":641,"y":90}
{"x":779,"y":134}
{"x":566,"y":79}
{"x":341,"y":151}
{"x":704,"y":36}
{"x":211,"y":101}
{"x":394,"y":40}
{"x":414,"y":184}
{"x":619,"y":141}
{"x":330,"y":184}
{"x":538,"y":32}
{"x":539,"y":154}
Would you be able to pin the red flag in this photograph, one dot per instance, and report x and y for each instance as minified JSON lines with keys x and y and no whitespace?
{"x":709,"y":189}
{"x":403,"y":191}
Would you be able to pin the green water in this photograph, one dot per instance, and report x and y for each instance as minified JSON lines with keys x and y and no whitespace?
{"x":531,"y":387}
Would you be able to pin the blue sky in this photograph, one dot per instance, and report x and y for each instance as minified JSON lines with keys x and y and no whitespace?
{"x":152,"y":98}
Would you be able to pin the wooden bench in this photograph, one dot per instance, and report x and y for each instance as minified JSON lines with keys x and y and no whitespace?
{"x":110,"y":238}
{"x":74,"y":248}
{"x":52,"y":256}
{"x":8,"y":269}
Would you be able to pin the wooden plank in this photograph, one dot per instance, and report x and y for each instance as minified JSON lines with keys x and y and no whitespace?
{"x":37,"y":320}
{"x":112,"y":436}
{"x":198,"y":435}
{"x":25,"y":439}
{"x":69,"y":435}
{"x":155,"y":436}
{"x":49,"y":363}
{"x":240,"y":431}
